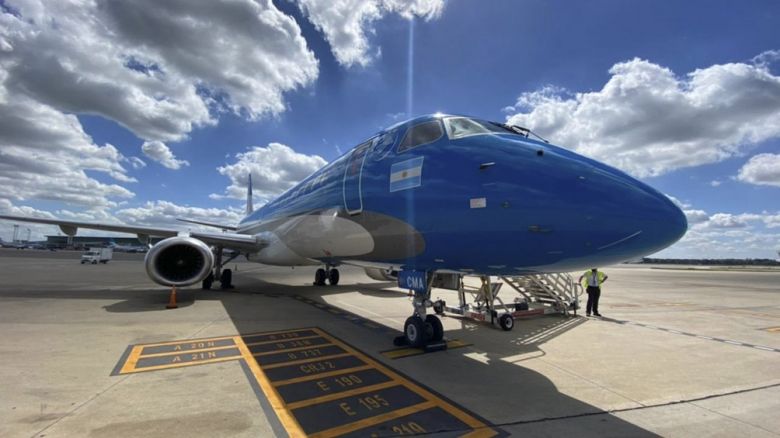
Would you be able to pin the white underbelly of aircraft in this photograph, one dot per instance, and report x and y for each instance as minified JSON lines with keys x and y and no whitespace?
{"x":301,"y":239}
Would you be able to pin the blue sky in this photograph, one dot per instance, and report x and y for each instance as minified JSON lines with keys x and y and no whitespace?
{"x":132,"y":113}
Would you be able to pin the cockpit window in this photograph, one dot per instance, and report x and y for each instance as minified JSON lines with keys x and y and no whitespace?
{"x":383,"y":143}
{"x":459,"y":127}
{"x":423,"y":133}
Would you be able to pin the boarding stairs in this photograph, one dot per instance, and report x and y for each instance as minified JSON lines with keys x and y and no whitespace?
{"x":558,"y":292}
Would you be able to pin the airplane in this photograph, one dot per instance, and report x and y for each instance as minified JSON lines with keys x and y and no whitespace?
{"x":126,"y":248}
{"x":434,"y":194}
{"x":17,"y":245}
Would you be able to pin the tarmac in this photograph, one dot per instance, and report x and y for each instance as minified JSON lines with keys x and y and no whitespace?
{"x":90,"y":350}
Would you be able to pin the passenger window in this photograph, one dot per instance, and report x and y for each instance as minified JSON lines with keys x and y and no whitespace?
{"x":424,"y":133}
{"x":459,"y":127}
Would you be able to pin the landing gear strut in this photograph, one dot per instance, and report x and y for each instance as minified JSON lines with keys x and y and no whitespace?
{"x":225,"y":276}
{"x":422,"y":330}
{"x":331,"y":274}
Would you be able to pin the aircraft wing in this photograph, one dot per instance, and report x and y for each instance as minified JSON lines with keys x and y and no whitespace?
{"x":208,"y":224}
{"x":228,"y":240}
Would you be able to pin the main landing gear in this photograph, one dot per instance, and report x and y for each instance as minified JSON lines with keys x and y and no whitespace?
{"x":225,"y":276}
{"x":422,"y":330}
{"x":331,"y":274}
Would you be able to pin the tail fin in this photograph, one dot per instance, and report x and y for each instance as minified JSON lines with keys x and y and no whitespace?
{"x":249,"y":207}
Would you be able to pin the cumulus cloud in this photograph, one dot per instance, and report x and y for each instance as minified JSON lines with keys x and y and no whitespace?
{"x":648,"y":121}
{"x":44,"y":154}
{"x":158,"y":69}
{"x":158,"y":151}
{"x":154,"y":67}
{"x":274,"y":169}
{"x":164,"y":214}
{"x":762,"y":169}
{"x":345,"y":23}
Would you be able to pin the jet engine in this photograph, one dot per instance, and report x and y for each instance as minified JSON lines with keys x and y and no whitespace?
{"x":179,"y":261}
{"x":382,"y":274}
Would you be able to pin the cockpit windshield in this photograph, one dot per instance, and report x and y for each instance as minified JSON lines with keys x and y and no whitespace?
{"x":459,"y":127}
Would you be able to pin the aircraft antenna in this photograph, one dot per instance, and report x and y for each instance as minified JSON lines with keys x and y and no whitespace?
{"x":249,"y":207}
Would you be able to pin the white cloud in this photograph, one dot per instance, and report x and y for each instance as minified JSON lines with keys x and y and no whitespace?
{"x":648,"y":121}
{"x":154,"y":67}
{"x":696,"y":216}
{"x":726,"y":220}
{"x":345,"y":23}
{"x":716,"y":183}
{"x":164,"y":214}
{"x":158,"y":151}
{"x":136,"y":162}
{"x":274,"y":169}
{"x":762,"y":169}
{"x":158,"y":69}
{"x":44,"y":154}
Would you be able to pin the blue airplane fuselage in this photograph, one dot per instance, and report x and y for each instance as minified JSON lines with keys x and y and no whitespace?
{"x":494,"y":203}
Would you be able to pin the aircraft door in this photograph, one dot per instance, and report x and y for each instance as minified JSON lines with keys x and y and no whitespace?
{"x":353,"y":197}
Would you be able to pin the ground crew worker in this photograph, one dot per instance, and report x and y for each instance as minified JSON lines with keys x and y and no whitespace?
{"x":593,"y":280}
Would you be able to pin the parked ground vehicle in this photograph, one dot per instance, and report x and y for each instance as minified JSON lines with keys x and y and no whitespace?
{"x":95,"y":255}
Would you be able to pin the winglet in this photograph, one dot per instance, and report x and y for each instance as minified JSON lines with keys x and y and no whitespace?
{"x":249,"y":207}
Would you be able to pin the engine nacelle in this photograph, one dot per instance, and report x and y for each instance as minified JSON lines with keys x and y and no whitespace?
{"x":382,"y":274}
{"x":179,"y":261}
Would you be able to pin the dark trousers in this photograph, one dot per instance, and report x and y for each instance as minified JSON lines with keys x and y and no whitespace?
{"x":593,"y":300}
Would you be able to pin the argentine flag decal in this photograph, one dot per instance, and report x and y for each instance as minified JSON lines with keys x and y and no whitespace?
{"x":406,"y":174}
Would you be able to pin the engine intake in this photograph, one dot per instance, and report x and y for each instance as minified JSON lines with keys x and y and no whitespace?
{"x":179,"y":261}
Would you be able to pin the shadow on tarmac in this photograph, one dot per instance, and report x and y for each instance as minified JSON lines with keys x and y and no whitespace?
{"x":507,"y":395}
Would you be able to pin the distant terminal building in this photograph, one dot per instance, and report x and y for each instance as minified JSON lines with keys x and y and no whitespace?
{"x":79,"y":242}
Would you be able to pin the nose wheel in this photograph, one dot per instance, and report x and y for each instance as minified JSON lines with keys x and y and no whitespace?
{"x":331,"y":275}
{"x":420,"y":332}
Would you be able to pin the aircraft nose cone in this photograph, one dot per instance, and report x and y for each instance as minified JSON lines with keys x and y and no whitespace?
{"x":670,"y":223}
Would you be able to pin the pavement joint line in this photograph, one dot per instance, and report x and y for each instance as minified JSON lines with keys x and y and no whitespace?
{"x":639,"y":408}
{"x":693,"y":335}
{"x":84,"y":403}
{"x":732,"y":418}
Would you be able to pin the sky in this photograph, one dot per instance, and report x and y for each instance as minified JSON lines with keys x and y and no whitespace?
{"x":141,"y":111}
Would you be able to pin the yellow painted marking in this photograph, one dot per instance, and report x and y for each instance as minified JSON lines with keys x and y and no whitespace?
{"x":351,"y":392}
{"x":485,"y":432}
{"x":357,"y":425}
{"x":773,"y":329}
{"x":285,"y":417}
{"x":186,"y":341}
{"x":311,"y":359}
{"x":303,"y":338}
{"x":454,"y":411}
{"x":179,"y":364}
{"x":132,"y":360}
{"x":174,"y":353}
{"x":288,"y":350}
{"x":323,"y":375}
{"x":404,"y":352}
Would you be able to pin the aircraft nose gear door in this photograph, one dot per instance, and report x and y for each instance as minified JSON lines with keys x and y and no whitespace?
{"x":353,"y":199}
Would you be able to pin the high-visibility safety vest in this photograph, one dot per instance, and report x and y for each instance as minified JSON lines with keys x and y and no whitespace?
{"x":589,"y":274}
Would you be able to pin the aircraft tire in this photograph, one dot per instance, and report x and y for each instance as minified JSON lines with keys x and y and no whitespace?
{"x":333,"y":277}
{"x":319,"y":277}
{"x":226,"y":279}
{"x":437,"y":329}
{"x":207,"y":282}
{"x":414,"y":330}
{"x":94,"y":262}
{"x":506,"y":321}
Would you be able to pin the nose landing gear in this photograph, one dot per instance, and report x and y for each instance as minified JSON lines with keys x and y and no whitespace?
{"x":422,"y":330}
